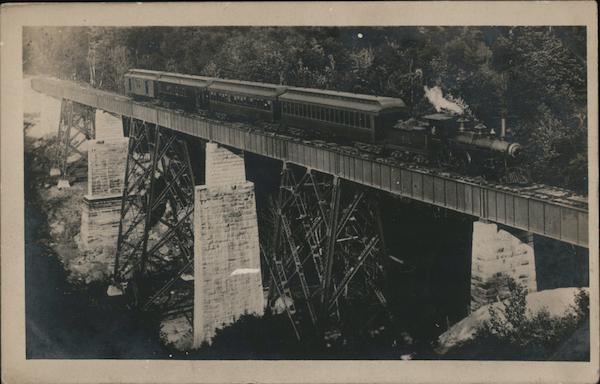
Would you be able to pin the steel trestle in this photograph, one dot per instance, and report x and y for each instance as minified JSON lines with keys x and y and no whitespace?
{"x":77,"y":124}
{"x":326,"y":243}
{"x":156,"y":241}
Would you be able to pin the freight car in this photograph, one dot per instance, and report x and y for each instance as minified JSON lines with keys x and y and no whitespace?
{"x":374,"y":123}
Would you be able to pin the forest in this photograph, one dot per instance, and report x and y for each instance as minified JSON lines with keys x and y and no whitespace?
{"x":535,"y":77}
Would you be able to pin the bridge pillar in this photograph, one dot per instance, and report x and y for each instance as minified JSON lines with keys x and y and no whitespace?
{"x":101,"y":211}
{"x":227,"y":274}
{"x":76,"y":125}
{"x":497,"y":254}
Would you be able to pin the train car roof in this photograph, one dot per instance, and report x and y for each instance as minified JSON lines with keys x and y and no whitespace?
{"x":191,"y":80}
{"x":143,"y":74}
{"x":346,"y":100}
{"x":247,"y":88}
{"x":148,"y":71}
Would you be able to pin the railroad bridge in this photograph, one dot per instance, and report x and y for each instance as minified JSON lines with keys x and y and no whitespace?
{"x":194,"y":249}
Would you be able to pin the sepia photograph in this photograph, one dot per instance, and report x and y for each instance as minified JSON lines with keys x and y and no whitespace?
{"x":282,"y":192}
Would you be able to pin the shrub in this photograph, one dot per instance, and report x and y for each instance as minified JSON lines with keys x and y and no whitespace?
{"x":512,"y":325}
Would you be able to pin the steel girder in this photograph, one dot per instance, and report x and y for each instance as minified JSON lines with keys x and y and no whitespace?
{"x":154,"y":258}
{"x":77,"y":124}
{"x":327,"y":248}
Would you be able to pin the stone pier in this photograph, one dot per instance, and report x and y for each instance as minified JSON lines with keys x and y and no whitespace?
{"x":497,"y":254}
{"x":102,"y":204}
{"x":227,"y":275}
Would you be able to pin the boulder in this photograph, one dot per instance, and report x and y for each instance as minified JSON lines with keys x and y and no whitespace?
{"x":177,"y":333}
{"x":556,"y":301}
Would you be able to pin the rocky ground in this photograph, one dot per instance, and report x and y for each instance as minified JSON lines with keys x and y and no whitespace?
{"x":460,"y":341}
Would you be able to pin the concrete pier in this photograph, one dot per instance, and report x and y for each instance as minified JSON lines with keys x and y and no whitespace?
{"x":497,"y":254}
{"x":102,"y":204}
{"x":227,"y":275}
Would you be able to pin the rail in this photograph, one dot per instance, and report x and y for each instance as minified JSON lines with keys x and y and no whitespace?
{"x":548,"y":211}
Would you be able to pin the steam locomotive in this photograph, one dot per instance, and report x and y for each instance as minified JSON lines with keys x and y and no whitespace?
{"x":371,"y":123}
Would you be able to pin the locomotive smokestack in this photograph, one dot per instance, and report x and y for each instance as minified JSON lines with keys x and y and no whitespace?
{"x":503,"y":128}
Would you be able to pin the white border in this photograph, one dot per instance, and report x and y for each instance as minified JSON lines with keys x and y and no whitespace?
{"x":18,"y":370}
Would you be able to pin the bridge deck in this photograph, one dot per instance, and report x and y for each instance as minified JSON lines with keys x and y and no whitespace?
{"x":548,"y":211}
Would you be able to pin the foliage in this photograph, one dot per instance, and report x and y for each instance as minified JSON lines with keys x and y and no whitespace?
{"x":516,"y":328}
{"x":533,"y":76}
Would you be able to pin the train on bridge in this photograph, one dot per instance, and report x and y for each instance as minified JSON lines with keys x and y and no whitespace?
{"x":371,"y":123}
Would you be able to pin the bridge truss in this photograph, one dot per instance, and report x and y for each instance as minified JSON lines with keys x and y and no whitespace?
{"x":76,"y":125}
{"x":327,"y":250}
{"x":154,"y":259}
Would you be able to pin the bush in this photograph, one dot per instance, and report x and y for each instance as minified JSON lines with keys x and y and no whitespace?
{"x":525,"y":333}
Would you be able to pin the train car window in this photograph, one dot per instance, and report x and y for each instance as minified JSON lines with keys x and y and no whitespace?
{"x":129,"y":81}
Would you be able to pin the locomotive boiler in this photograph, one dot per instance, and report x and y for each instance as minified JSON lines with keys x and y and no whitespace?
{"x":371,"y":123}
